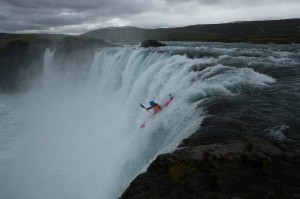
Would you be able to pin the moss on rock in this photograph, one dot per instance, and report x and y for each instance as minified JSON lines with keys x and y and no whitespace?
{"x":180,"y":170}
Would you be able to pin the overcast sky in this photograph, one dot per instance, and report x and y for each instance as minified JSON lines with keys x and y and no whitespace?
{"x":80,"y":16}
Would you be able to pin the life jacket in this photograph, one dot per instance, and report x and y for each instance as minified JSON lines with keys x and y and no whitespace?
{"x":156,"y":108}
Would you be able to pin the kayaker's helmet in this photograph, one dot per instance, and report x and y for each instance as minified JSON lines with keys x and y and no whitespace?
{"x":152,"y":103}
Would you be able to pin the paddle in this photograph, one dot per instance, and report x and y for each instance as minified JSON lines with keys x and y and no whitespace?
{"x":143,"y":106}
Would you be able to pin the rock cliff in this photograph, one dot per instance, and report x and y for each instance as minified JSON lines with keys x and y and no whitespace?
{"x":230,"y":156}
{"x":21,"y":62}
{"x":22,"y":56}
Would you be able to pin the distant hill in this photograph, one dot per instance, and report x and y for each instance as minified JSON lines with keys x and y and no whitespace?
{"x":273,"y":31}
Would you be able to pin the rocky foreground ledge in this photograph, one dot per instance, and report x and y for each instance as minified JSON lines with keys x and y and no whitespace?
{"x":219,"y":162}
{"x":251,"y":167}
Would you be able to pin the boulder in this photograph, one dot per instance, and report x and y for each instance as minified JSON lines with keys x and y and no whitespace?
{"x":151,"y":43}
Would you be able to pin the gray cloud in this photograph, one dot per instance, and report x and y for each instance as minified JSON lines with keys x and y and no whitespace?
{"x":78,"y":16}
{"x":116,"y":6}
{"x":55,"y":13}
{"x":203,"y":2}
{"x":223,"y":4}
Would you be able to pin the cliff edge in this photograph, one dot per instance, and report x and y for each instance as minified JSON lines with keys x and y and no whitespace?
{"x":230,"y":156}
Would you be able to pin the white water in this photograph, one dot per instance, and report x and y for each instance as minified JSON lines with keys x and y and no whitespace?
{"x":71,"y":140}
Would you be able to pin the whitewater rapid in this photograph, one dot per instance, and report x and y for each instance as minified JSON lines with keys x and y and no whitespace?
{"x":74,"y":139}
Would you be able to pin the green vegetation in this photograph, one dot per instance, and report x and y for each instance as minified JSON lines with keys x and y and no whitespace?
{"x":178,"y":171}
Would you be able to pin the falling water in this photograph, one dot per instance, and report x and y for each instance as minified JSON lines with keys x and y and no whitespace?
{"x":70,"y":140}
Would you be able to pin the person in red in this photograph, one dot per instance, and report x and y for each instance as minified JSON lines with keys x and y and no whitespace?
{"x":154,"y":106}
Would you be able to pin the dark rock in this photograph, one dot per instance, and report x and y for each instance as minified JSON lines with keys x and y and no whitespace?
{"x":151,"y":43}
{"x":75,"y":54}
{"x":249,"y":167}
{"x":21,"y":62}
{"x":22,"y":56}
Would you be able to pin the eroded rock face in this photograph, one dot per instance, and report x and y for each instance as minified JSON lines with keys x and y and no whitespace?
{"x":249,"y":167}
{"x":21,"y":61}
{"x":75,"y":54}
{"x":151,"y":43}
{"x":22,"y":57}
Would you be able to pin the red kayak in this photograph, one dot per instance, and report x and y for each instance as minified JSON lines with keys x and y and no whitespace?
{"x":166,"y":104}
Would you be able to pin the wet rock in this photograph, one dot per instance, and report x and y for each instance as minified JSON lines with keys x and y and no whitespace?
{"x":21,"y":62}
{"x":75,"y":55}
{"x":248,"y":167}
{"x":151,"y":43}
{"x":22,"y":56}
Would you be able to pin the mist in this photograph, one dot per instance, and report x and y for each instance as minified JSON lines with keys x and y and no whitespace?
{"x":81,"y":138}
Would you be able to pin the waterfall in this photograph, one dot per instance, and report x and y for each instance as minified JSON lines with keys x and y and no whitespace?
{"x":47,"y":67}
{"x":83,"y":140}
